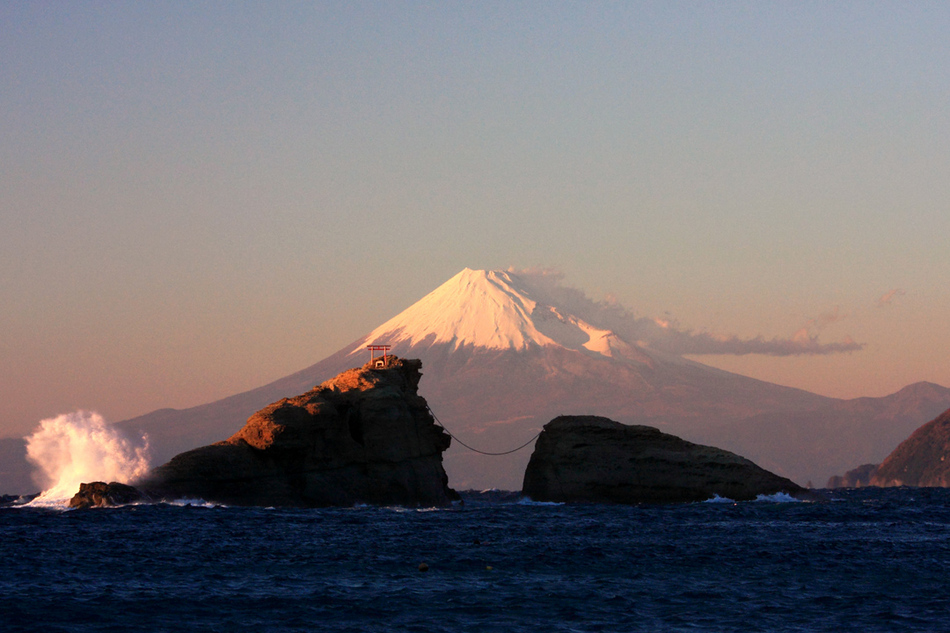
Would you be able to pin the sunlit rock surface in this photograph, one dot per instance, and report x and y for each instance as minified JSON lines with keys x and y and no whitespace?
{"x":921,"y":460}
{"x":365,"y":436}
{"x":99,"y":494}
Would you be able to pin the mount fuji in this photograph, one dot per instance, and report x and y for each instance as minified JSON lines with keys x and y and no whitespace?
{"x":504,"y":354}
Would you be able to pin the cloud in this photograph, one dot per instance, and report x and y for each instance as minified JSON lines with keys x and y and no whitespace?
{"x":888,"y":297}
{"x":665,"y":333}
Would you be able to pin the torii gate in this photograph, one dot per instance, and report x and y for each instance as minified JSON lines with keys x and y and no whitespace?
{"x":378,"y":348}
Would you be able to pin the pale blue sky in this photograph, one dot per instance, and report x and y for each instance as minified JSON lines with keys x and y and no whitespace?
{"x":197,"y":198}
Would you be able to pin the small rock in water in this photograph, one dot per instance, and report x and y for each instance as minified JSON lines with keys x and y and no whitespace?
{"x":423,"y":567}
{"x":101,"y":494}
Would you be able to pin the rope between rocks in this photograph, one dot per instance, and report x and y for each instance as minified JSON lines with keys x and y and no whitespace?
{"x":475,"y":450}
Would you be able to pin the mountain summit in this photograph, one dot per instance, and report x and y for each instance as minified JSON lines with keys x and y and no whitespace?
{"x":480,"y":308}
{"x":497,"y":310}
{"x":503,"y":353}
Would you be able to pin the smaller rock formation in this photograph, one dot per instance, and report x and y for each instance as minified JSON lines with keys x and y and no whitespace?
{"x":100,"y":494}
{"x":922,"y":460}
{"x":590,"y":458}
{"x":365,"y":436}
{"x":855,"y":478}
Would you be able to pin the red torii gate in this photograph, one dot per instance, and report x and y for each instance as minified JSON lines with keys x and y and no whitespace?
{"x":378,"y":348}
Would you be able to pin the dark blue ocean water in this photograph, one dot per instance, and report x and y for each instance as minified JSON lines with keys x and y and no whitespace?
{"x":866,"y":560}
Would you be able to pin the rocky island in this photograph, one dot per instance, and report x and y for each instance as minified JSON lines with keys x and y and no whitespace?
{"x":595,"y":459}
{"x":365,"y":436}
{"x":922,"y":461}
{"x":98,"y":494}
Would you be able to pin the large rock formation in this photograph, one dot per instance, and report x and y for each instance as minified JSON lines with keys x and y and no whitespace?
{"x":590,"y":458}
{"x":921,"y":460}
{"x":365,"y":436}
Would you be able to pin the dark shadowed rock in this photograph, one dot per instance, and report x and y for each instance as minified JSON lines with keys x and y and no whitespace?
{"x":12,"y":500}
{"x":365,"y":436}
{"x":855,"y":478}
{"x":101,"y":494}
{"x":17,"y":500}
{"x":921,"y":460}
{"x":589,"y":458}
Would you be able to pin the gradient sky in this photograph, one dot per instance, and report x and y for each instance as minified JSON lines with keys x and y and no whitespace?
{"x":199,"y":198}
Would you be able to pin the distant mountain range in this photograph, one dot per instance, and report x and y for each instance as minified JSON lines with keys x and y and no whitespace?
{"x":502,"y":356}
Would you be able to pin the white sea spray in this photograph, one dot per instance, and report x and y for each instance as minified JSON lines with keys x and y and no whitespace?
{"x":778,"y":497}
{"x":78,"y":447}
{"x":717,"y":499}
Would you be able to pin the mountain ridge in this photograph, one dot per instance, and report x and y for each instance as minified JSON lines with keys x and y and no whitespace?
{"x":501,"y":358}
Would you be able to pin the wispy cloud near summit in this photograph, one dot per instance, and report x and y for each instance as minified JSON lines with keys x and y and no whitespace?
{"x":666,"y":334}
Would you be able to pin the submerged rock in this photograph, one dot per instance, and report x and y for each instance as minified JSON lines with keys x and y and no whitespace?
{"x":365,"y":436}
{"x":922,"y":460}
{"x":101,"y":494}
{"x":590,"y":458}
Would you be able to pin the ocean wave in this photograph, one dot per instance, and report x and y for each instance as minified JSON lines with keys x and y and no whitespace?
{"x":401,"y":509}
{"x":717,"y":499}
{"x":582,"y":567}
{"x":44,"y":503}
{"x":527,"y":501}
{"x":778,"y":497}
{"x":193,"y":503}
{"x":78,"y":447}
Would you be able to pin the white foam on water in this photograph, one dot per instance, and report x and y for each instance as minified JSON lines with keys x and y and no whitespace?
{"x":79,"y":447}
{"x":717,"y":499}
{"x":526,"y":501}
{"x":195,"y":503}
{"x":778,"y":497}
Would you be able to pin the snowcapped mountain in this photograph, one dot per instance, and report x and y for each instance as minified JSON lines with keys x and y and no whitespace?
{"x":504,"y":354}
{"x":496,"y":310}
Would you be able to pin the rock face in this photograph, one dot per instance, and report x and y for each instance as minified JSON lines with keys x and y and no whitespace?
{"x":921,"y":460}
{"x":101,"y":494}
{"x":365,"y":436}
{"x":589,"y":458}
{"x":855,"y":478}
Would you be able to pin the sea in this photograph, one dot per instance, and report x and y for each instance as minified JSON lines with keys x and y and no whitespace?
{"x":856,"y":560}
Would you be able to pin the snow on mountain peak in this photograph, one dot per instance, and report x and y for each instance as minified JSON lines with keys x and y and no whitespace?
{"x":495,"y":310}
{"x":475,"y":307}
